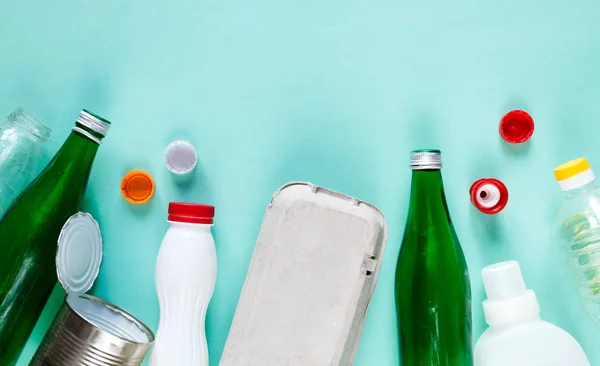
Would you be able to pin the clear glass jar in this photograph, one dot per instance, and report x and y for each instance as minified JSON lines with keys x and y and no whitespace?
{"x":21,"y":153}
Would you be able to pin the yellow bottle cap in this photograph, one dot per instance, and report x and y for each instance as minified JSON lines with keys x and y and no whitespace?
{"x":137,"y":187}
{"x":571,"y":169}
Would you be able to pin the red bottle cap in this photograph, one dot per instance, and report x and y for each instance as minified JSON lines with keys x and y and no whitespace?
{"x":516,"y":127}
{"x":191,"y":213}
{"x":489,"y":195}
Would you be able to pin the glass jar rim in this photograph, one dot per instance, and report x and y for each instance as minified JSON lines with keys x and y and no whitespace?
{"x":32,"y":125}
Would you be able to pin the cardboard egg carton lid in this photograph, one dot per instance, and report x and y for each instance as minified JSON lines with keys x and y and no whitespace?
{"x":311,"y":278}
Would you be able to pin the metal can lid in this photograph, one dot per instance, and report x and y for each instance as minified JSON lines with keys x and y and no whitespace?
{"x":79,"y":253}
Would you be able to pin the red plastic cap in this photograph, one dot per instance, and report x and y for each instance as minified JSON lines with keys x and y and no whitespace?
{"x":489,"y":195}
{"x":191,"y":213}
{"x":516,"y":127}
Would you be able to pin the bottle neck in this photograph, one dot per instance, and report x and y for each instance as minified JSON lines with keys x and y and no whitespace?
{"x":427,"y":199}
{"x":64,"y":179}
{"x":76,"y":156}
{"x":526,"y":318}
{"x":519,"y":309}
{"x":588,"y":187}
{"x":203,"y":228}
{"x":85,"y":131}
{"x":80,"y":144}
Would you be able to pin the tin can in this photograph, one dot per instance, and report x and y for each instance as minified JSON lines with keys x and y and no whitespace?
{"x":87,"y":330}
{"x":73,"y":339}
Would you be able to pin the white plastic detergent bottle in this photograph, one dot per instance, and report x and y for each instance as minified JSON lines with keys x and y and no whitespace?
{"x":517,"y":336}
{"x":186,"y":271}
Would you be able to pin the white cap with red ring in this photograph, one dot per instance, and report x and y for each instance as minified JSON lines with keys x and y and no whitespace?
{"x":191,"y":213}
{"x":489,"y":195}
{"x":508,"y":299}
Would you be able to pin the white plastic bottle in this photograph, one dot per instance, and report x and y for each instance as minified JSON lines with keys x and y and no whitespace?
{"x":517,"y":336}
{"x":186,"y":271}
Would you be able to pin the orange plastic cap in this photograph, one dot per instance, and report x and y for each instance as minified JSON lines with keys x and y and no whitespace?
{"x":137,"y":187}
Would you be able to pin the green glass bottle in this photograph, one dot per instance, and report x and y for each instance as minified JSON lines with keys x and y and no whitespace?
{"x":29,"y":231}
{"x":433,"y":292}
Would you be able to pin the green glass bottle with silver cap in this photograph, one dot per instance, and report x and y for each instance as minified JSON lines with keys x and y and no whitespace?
{"x":433,"y":292}
{"x":30,"y":228}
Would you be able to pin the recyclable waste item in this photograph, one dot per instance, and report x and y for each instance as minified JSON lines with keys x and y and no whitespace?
{"x":137,"y":187}
{"x":489,"y":195}
{"x":517,"y":336}
{"x":180,"y":157}
{"x":30,"y":228}
{"x":433,"y":292}
{"x":88,"y":330}
{"x":21,"y":141}
{"x":313,"y":272}
{"x":578,"y":230}
{"x":186,"y":272}
{"x":516,"y":127}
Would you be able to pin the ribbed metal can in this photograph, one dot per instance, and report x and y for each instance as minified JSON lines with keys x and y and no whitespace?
{"x":89,"y":331}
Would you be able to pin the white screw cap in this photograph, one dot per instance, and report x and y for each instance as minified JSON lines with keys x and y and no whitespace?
{"x":508,"y":299}
{"x":180,"y":157}
{"x":503,"y":281}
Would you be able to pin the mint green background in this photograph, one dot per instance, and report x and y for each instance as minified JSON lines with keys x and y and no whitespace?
{"x":333,"y":92}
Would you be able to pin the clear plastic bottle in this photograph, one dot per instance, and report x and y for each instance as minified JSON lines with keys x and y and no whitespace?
{"x":578,"y":229}
{"x":21,"y":140}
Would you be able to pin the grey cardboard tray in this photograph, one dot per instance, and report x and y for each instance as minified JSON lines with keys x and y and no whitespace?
{"x":311,"y":278}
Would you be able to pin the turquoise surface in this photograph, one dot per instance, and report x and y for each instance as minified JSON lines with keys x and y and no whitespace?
{"x":333,"y":92}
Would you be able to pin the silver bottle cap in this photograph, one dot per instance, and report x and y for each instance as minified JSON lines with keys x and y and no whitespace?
{"x":93,"y":122}
{"x":426,"y":160}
